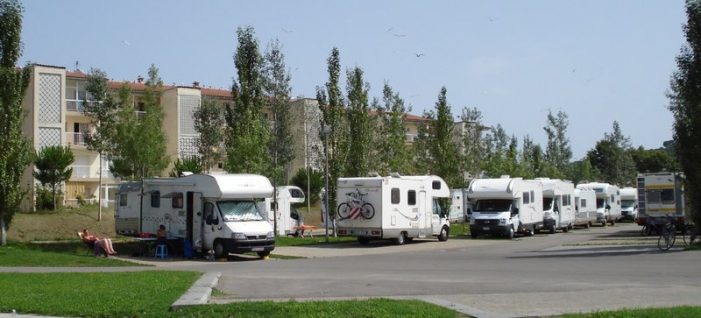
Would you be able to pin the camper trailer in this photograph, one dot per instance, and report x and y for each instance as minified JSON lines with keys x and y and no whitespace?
{"x":397,"y":207}
{"x":558,"y":208}
{"x":585,"y":207}
{"x":505,"y":206}
{"x":608,"y":201}
{"x":629,"y":204}
{"x":288,"y":218}
{"x":221,"y":213}
{"x":458,"y":206}
{"x":660,"y":197}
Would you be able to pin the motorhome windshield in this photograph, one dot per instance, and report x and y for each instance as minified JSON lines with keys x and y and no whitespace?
{"x":239,"y":211}
{"x":493,"y":205}
{"x":547,"y":204}
{"x":627,"y":203}
{"x":600,"y":203}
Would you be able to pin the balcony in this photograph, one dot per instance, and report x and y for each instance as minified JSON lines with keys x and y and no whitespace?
{"x":84,"y":172}
{"x":75,"y":139}
{"x":74,"y":106}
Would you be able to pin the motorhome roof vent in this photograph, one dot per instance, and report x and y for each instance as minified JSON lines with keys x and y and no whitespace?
{"x":186,"y":173}
{"x":505,"y":176}
{"x":373,"y":174}
{"x":395,"y":174}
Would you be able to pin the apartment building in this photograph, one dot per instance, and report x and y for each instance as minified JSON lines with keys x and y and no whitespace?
{"x":54,"y":117}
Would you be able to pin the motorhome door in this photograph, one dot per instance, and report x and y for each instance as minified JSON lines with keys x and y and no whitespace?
{"x":209,"y":224}
{"x":436,"y":217}
{"x":195,"y":223}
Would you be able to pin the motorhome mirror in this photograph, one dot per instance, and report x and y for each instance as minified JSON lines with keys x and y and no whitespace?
{"x":514,"y":211}
{"x":608,"y":207}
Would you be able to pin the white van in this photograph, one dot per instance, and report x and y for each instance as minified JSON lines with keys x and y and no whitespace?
{"x":629,"y":204}
{"x":558,"y":208}
{"x":397,"y":207}
{"x":585,"y":207}
{"x":608,"y":201}
{"x":505,"y":206}
{"x":218,"y":212}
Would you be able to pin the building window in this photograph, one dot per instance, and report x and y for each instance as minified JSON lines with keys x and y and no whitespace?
{"x":177,"y":202}
{"x":156,"y":199}
{"x":75,"y":95}
{"x":395,"y":196}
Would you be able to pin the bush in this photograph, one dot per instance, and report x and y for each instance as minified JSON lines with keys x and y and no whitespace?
{"x":316,"y":183}
{"x":45,"y":200}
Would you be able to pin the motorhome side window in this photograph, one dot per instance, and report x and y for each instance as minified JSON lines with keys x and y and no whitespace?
{"x":208,"y":212}
{"x":532,"y":195}
{"x":395,"y":195}
{"x":665,"y":196}
{"x":583,"y":203}
{"x":123,"y":199}
{"x":295,"y":193}
{"x":155,"y":199}
{"x":436,"y":185}
{"x":411,"y":197}
{"x":177,"y":201}
{"x":526,"y":198}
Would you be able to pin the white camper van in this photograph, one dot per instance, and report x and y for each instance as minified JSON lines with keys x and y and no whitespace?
{"x":629,"y":204}
{"x":288,"y":218}
{"x":505,"y":206}
{"x":608,"y":201}
{"x":396,"y":207}
{"x":558,"y":208}
{"x":458,"y":206}
{"x":219,"y":212}
{"x":585,"y":207}
{"x":661,"y":196}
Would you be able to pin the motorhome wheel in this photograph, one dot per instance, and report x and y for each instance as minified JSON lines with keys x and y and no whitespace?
{"x":587,"y":225}
{"x":531,"y":230}
{"x":613,"y":222}
{"x":566,"y":229}
{"x":552,"y":229}
{"x":364,"y":240}
{"x":603,"y":223}
{"x":511,"y":233}
{"x":473,"y":235}
{"x":263,"y":254}
{"x":219,"y":249}
{"x":444,"y":235}
{"x":400,"y":239}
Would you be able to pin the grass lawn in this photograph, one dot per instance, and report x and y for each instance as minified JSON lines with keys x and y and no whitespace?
{"x":67,"y":254}
{"x":316,"y":240}
{"x":677,"y":312}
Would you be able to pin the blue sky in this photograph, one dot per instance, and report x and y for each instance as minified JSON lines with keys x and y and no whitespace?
{"x":596,"y":60}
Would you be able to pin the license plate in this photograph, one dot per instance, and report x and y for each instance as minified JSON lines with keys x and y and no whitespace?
{"x":486,"y":228}
{"x":257,"y":249}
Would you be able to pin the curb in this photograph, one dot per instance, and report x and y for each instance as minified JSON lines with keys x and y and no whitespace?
{"x":199,"y":292}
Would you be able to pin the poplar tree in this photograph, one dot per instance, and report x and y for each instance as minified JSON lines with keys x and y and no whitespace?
{"x":444,"y":157}
{"x":15,"y":155}
{"x":248,"y":132}
{"x":472,"y":140}
{"x":358,"y":124}
{"x":209,"y":121}
{"x":685,"y":105}
{"x":333,"y":121}
{"x":277,"y":90}
{"x":390,"y":151}
{"x":558,"y":152}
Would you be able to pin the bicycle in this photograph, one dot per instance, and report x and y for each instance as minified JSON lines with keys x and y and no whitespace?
{"x":355,"y":207}
{"x":668,"y":235}
{"x":689,"y":234}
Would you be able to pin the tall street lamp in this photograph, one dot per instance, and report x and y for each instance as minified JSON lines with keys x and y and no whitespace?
{"x":326,"y":131}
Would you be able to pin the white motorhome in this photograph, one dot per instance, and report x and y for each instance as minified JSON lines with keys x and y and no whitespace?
{"x":629,"y":204}
{"x":661,"y":196}
{"x":288,"y":217}
{"x":397,"y":207}
{"x":558,"y":208}
{"x":505,"y":206}
{"x":218,"y":212}
{"x":458,"y":206}
{"x":608,"y":201}
{"x":585,"y":207}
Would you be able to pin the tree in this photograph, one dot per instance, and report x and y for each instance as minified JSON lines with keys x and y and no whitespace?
{"x":247,"y":132}
{"x":334,"y":127}
{"x":52,"y":168}
{"x":187,"y":164}
{"x":653,"y":160}
{"x":389,"y":147}
{"x":582,"y":171}
{"x":685,"y":105}
{"x":532,"y":159}
{"x":102,"y":109}
{"x":443,"y":155}
{"x":358,"y":124}
{"x":472,"y":140}
{"x":496,"y":162}
{"x":16,"y":152}
{"x":316,"y":182}
{"x":558,"y":152}
{"x":612,"y":158}
{"x":277,"y":90}
{"x":209,"y":121}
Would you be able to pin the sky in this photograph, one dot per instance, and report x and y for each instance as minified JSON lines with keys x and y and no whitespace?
{"x":596,"y":60}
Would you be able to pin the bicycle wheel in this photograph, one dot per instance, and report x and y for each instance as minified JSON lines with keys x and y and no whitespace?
{"x":367,"y":211}
{"x":666,"y":239}
{"x":685,"y":235}
{"x":343,"y":211}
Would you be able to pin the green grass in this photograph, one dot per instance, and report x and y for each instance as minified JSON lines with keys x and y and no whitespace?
{"x":129,"y":294}
{"x":68,"y":254}
{"x":677,"y":312}
{"x":459,"y":230}
{"x":317,"y":240}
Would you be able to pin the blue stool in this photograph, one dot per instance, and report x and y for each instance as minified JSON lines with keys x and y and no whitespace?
{"x":161,"y":251}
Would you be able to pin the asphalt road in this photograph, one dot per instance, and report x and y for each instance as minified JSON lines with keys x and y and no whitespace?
{"x":580,"y":271}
